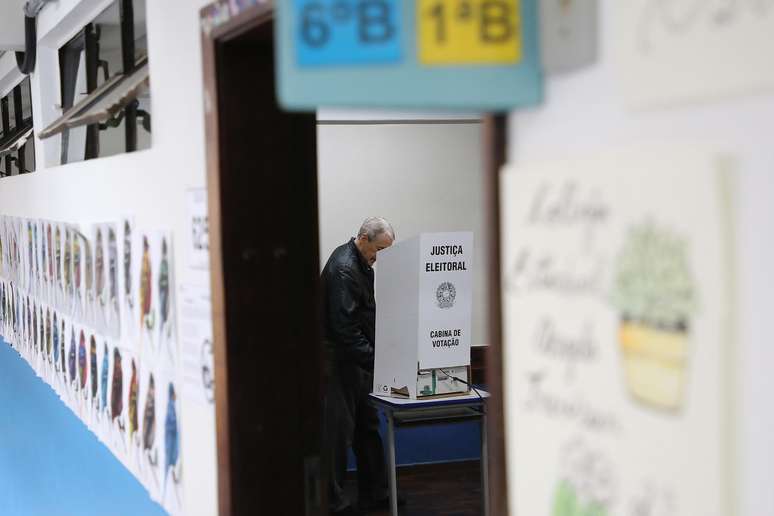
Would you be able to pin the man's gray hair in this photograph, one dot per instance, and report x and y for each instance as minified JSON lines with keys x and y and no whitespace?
{"x":372,"y":227}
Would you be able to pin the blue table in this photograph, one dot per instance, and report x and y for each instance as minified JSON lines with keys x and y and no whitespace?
{"x":407,"y":412}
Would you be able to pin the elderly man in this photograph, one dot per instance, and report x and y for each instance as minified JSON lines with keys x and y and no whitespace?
{"x":349,"y":325}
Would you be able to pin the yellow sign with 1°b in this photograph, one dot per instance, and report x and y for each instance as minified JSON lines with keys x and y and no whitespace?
{"x":452,"y":32}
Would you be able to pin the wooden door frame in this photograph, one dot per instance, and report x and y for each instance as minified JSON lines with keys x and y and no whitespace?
{"x":494,"y":155}
{"x":221,"y":22}
{"x":219,"y":26}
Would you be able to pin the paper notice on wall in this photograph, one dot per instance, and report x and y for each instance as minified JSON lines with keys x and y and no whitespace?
{"x":196,"y":341}
{"x":197,"y":229}
{"x":617,"y":304}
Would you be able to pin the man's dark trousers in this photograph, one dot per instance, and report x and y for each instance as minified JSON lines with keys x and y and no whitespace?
{"x":352,"y":420}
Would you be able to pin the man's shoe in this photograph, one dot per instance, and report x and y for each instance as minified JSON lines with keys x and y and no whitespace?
{"x":381,"y":505}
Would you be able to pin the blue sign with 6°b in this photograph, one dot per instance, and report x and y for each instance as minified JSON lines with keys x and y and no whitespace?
{"x":347,"y":32}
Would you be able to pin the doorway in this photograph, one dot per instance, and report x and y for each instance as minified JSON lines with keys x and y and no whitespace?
{"x":264,"y":275}
{"x":262,"y":189}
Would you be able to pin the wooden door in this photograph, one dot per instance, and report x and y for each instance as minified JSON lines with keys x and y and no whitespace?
{"x":262,"y":187}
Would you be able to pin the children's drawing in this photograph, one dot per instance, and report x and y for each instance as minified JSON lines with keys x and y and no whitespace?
{"x":71,"y":357}
{"x":93,"y":366}
{"x":35,"y":328}
{"x":655,"y":294}
{"x":53,"y":329}
{"x":88,"y":305}
{"x":164,"y":287}
{"x":37,"y":261}
{"x":128,"y":298}
{"x":114,"y":316}
{"x":171,"y":443}
{"x":2,"y":247}
{"x":62,"y":335}
{"x":118,"y":392}
{"x":117,"y":388}
{"x":30,"y":255}
{"x":133,"y":396}
{"x":36,"y":332}
{"x":82,"y":371}
{"x":28,"y":344}
{"x":28,"y":323}
{"x":149,"y":424}
{"x":48,"y":333}
{"x":146,"y":276}
{"x":77,"y":273}
{"x":68,"y":277}
{"x":104,"y":379}
{"x":58,"y":265}
{"x":2,"y":304}
{"x":99,"y":279}
{"x":166,"y":308}
{"x":31,"y":263}
{"x":51,"y":277}
{"x":24,"y":317}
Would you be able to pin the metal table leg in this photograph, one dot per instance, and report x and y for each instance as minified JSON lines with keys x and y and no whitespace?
{"x":484,"y":465}
{"x":391,"y":458}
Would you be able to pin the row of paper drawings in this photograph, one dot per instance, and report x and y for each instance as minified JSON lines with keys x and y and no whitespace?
{"x":104,"y":276}
{"x":91,"y":308}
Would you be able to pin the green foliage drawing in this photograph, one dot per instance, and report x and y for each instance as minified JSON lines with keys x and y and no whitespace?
{"x":653,"y":283}
{"x":566,"y":503}
{"x":565,"y":500}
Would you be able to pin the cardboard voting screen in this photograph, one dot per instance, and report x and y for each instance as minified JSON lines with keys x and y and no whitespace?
{"x":423,"y":290}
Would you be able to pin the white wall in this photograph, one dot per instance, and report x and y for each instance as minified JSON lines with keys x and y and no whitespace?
{"x":150,"y":185}
{"x":584,"y":113}
{"x":422,"y":177}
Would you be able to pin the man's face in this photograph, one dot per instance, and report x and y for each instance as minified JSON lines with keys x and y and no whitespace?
{"x":369,"y":249}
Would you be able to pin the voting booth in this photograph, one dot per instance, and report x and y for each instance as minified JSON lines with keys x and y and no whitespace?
{"x":423,"y":290}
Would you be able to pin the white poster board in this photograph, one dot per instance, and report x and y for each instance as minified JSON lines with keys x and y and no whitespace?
{"x":693,"y":50}
{"x":617,"y":301}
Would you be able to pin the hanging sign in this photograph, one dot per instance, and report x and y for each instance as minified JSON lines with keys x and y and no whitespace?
{"x":467,"y":54}
{"x":471,"y":32}
{"x":336,"y":33}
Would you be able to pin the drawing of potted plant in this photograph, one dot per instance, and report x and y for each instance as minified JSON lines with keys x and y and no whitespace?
{"x":655,"y":295}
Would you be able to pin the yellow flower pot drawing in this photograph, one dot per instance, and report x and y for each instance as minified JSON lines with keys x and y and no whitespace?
{"x":654,"y":363}
{"x":655,"y":295}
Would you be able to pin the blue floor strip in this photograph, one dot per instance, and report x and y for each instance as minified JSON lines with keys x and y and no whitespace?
{"x":50,"y":462}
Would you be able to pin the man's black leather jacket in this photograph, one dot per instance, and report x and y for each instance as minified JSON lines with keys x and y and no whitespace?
{"x":349,"y":308}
